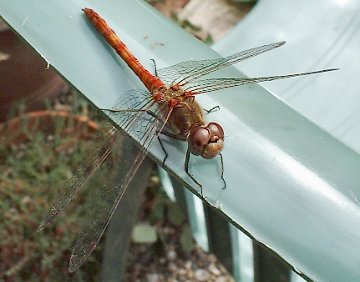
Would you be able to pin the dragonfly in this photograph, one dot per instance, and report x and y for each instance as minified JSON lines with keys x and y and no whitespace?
{"x":168,"y":107}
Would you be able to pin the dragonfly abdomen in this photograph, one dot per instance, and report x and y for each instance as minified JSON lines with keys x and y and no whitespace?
{"x":150,"y":81}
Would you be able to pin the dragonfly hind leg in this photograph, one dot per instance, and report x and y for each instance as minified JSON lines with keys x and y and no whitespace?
{"x":222,"y":171}
{"x":187,"y":159}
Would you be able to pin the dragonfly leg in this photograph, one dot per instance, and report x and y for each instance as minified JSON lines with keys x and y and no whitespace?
{"x":155,"y":68}
{"x":166,"y":133}
{"x":187,"y":159}
{"x":164,"y":150}
{"x":213,"y":109}
{"x":222,"y":171}
{"x":171,"y":135}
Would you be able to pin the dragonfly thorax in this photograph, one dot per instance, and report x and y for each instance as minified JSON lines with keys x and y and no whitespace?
{"x":169,"y":95}
{"x":185,"y":116}
{"x":207,"y":140}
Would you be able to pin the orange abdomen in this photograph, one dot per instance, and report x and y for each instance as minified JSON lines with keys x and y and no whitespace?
{"x":150,"y":81}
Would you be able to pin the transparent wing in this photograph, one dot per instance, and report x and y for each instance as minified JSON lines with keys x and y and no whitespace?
{"x":75,"y":183}
{"x":147,"y":127}
{"x":133,"y":118}
{"x":135,"y":112}
{"x":185,"y":72}
{"x":213,"y":84}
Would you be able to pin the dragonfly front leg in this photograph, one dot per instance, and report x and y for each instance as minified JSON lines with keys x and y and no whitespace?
{"x":222,"y":171}
{"x":187,"y":160}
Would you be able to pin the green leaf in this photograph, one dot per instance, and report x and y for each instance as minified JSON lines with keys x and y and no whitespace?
{"x":144,"y":233}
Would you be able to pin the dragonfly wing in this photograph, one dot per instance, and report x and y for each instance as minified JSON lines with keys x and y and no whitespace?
{"x":109,"y":197}
{"x":213,"y":84}
{"x":188,"y":71}
{"x":127,"y":112}
{"x":105,"y":142}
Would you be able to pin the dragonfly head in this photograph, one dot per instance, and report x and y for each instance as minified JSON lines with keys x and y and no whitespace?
{"x":206,"y":141}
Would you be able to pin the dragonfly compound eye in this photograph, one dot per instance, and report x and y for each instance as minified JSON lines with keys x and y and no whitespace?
{"x":207,"y":141}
